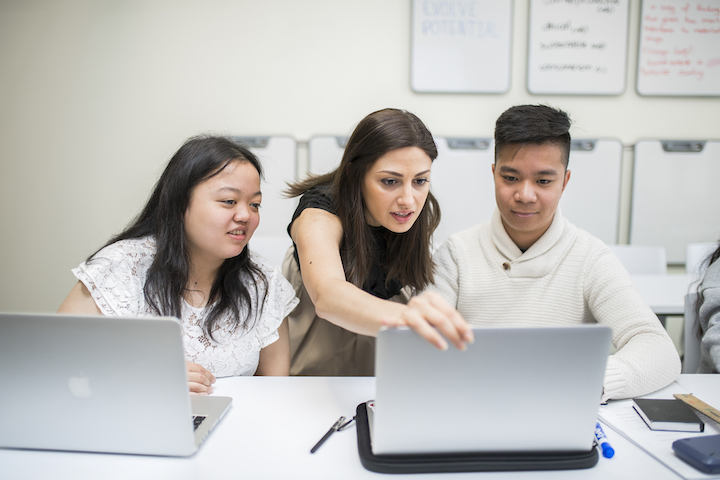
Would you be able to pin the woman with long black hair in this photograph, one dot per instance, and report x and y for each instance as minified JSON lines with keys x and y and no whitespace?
{"x":186,"y":256}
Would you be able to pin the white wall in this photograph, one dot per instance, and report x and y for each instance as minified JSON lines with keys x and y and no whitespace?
{"x":95,"y":96}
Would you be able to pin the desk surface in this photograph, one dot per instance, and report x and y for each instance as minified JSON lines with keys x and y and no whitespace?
{"x":624,"y":421}
{"x":270,"y":429}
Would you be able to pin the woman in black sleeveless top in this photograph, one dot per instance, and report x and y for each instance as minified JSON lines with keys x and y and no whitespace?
{"x":361,"y":248}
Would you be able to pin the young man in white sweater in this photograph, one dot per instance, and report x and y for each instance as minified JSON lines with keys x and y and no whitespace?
{"x":529,"y":266}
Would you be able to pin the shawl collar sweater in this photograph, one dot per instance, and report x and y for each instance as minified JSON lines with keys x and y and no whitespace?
{"x":566,"y":277}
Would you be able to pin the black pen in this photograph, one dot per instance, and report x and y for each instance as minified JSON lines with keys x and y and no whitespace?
{"x":332,"y":430}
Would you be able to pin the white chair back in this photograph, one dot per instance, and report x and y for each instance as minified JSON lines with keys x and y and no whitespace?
{"x":642,"y":259}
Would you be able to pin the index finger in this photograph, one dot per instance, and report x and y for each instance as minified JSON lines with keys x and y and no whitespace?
{"x":446,"y":319}
{"x":453,"y":315}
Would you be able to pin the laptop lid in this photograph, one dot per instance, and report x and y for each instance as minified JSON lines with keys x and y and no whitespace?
{"x":514,"y":389}
{"x":98,"y":384}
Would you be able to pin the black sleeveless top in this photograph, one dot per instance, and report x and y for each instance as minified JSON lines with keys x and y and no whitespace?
{"x":321,"y":197}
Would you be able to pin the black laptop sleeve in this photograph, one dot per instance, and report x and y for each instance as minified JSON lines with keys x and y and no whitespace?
{"x":464,"y":462}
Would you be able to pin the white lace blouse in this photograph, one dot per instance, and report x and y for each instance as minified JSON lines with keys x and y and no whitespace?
{"x":116,"y":276}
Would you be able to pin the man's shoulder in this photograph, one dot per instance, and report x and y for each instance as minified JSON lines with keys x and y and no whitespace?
{"x":463,"y":249}
{"x":468,"y":237}
{"x":597,"y":258}
{"x":587,"y":241}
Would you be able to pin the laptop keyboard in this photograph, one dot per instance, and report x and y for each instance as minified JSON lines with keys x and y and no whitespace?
{"x":197,"y":420}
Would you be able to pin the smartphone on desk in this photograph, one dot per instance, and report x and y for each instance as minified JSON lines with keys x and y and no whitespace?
{"x":702,"y":453}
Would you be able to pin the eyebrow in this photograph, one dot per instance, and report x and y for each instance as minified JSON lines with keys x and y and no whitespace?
{"x":390,"y":172}
{"x":237,"y":191}
{"x":506,"y":169}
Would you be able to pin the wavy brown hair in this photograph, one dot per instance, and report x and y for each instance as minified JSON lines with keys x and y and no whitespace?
{"x":408,"y":256}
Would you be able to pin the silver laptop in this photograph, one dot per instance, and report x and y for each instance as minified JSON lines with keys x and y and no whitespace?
{"x":99,"y":384}
{"x":514,"y":389}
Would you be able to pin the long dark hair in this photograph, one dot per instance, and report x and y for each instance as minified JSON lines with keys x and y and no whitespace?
{"x":163,"y":216}
{"x":712,"y":258}
{"x":408,"y":254}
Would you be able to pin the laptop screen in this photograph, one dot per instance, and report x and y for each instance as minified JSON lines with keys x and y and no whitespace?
{"x":514,"y":389}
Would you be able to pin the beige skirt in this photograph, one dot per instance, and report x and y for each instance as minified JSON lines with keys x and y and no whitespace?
{"x":318,"y":347}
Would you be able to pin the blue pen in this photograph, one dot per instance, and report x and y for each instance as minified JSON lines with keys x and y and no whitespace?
{"x":601,"y":440}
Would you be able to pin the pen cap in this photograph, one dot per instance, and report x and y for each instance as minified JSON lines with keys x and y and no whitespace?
{"x":607,"y":450}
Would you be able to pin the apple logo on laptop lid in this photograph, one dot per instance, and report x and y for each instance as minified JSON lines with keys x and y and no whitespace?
{"x":79,"y":386}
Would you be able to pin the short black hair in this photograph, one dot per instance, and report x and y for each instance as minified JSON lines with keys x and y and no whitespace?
{"x":535,"y":124}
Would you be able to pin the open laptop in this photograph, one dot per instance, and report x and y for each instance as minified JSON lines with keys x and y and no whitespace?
{"x":99,"y":384}
{"x":515,"y":389}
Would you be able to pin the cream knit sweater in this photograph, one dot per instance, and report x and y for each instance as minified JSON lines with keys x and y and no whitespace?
{"x":566,"y":277}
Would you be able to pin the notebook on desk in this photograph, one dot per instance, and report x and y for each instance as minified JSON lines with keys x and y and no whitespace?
{"x":99,"y":384}
{"x":513,"y":390}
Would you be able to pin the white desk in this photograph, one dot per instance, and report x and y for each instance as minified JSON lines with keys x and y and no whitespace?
{"x":703,"y":386}
{"x":625,"y":422}
{"x":664,"y":293}
{"x":268,"y":433}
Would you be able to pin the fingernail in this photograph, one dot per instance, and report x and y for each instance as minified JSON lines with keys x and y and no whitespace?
{"x":442,"y":346}
{"x":462,"y":347}
{"x":469,"y":337}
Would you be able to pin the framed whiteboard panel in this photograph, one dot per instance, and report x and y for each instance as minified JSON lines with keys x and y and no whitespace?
{"x":577,"y":47}
{"x":325,"y":153}
{"x":679,"y":48}
{"x":461,"y":178}
{"x":462,"y":183}
{"x":461,"y":47}
{"x":591,"y":199}
{"x":675,"y":201}
{"x":278,"y":157}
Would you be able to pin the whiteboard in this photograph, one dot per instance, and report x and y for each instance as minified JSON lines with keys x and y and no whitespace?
{"x":591,"y":199}
{"x":461,"y":46}
{"x":278,"y":157}
{"x":462,"y":183}
{"x":325,"y":153}
{"x":577,"y":47}
{"x":679,"y":48}
{"x":675,"y":200}
{"x":462,"y":165}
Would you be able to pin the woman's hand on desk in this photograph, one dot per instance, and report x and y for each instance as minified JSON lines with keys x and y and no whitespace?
{"x":432,"y":318}
{"x":199,"y":378}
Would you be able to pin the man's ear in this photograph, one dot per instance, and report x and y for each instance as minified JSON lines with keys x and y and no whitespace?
{"x":493,"y":169}
{"x":566,"y":179}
